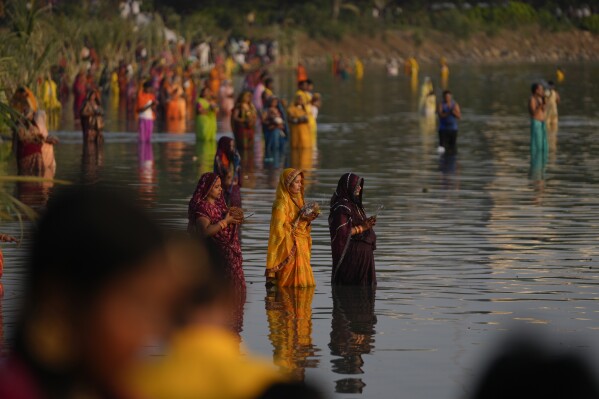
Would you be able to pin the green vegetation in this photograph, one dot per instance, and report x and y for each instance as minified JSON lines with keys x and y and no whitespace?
{"x":333,"y":19}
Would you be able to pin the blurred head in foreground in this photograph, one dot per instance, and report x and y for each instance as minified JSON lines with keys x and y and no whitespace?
{"x":97,"y":290}
{"x":203,"y":358}
{"x":528,"y":370}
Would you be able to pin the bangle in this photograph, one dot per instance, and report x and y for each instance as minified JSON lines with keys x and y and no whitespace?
{"x":223,"y":224}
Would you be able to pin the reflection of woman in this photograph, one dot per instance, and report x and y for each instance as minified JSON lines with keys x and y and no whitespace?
{"x":352,"y":239}
{"x":289,"y":314}
{"x":206,"y":116}
{"x":289,"y":245}
{"x":301,"y":135}
{"x":243,"y":120}
{"x":352,"y":333}
{"x":227,"y":165}
{"x":209,"y":215}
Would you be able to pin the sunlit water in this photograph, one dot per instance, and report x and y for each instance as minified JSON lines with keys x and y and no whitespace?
{"x":469,"y":249}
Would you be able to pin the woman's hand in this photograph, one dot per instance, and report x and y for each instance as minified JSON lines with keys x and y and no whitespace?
{"x":310,"y":217}
{"x":370,"y":223}
{"x":52,"y":140}
{"x":7,"y":238}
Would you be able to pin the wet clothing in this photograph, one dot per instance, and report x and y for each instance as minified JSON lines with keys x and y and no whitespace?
{"x":206,"y":124}
{"x":92,"y":121}
{"x":448,"y":128}
{"x":353,"y":255}
{"x":289,"y":243}
{"x":226,"y":240}
{"x":539,"y":149}
{"x":299,"y":123}
{"x":146,"y":115}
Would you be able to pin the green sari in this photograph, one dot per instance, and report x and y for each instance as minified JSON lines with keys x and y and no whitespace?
{"x":205,"y":123}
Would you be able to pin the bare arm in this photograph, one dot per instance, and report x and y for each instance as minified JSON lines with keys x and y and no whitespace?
{"x":213,"y":229}
{"x":457,"y":112}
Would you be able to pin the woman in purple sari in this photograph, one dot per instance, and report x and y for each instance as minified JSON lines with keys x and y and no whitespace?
{"x":209,"y":215}
{"x":353,"y":240}
{"x":227,"y":165}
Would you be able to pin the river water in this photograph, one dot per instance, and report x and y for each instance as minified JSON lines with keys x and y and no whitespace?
{"x":470,"y":249}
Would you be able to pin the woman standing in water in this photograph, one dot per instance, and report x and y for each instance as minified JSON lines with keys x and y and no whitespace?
{"x":353,"y":240}
{"x":206,"y":110}
{"x":299,"y":121}
{"x":290,"y":244}
{"x":227,"y":165}
{"x":243,"y":121}
{"x":209,"y":215}
{"x":92,"y":119}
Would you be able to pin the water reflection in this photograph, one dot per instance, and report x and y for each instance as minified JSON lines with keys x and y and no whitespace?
{"x":289,"y":314}
{"x":352,"y":334}
{"x":92,"y":161}
{"x":205,"y":151}
{"x":147,"y":171}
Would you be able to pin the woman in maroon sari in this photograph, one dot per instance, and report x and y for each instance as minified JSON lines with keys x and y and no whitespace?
{"x":353,"y":240}
{"x":209,"y":215}
{"x":227,"y":165}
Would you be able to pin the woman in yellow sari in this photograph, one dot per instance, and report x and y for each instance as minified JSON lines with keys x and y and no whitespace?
{"x":290,"y":244}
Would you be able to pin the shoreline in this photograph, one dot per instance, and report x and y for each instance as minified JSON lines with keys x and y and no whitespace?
{"x":503,"y":48}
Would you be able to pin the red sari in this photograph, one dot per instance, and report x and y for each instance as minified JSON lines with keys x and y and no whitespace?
{"x":227,"y":240}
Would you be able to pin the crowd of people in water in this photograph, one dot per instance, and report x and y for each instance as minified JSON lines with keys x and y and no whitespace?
{"x":80,"y":330}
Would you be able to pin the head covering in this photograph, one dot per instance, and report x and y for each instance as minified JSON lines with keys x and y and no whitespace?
{"x":282,"y":241}
{"x":346,"y":189}
{"x":200,"y":196}
{"x":285,"y":180}
{"x":224,"y":152}
{"x":347,"y":212}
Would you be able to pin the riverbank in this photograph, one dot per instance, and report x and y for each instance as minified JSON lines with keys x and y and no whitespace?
{"x":531,"y":45}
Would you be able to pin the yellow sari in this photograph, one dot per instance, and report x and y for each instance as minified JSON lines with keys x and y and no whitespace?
{"x":290,"y":243}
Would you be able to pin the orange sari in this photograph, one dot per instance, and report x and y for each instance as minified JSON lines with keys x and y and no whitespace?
{"x":290,"y":243}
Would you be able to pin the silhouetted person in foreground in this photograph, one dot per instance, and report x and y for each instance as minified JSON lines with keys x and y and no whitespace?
{"x":96,"y":290}
{"x":528,"y":371}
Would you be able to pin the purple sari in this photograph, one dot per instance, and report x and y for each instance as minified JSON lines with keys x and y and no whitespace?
{"x":353,"y":256}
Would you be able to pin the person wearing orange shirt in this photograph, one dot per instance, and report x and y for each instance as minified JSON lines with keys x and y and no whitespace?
{"x":146,"y":106}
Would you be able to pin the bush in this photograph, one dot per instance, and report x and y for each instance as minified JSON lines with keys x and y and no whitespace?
{"x":590,"y":23}
{"x":454,"y":22}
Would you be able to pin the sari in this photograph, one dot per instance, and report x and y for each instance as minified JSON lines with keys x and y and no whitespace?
{"x":290,"y":243}
{"x":226,"y":162}
{"x":92,"y":119}
{"x":353,"y":256}
{"x":227,"y":240}
{"x":30,"y":142}
{"x":205,"y":123}
{"x":301,"y":135}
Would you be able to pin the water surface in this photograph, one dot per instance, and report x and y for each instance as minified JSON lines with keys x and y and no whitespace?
{"x":470,"y":247}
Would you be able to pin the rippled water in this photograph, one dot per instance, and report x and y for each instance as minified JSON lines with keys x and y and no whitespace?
{"x":469,"y":248}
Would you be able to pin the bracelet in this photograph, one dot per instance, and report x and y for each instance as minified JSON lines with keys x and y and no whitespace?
{"x":222,"y":224}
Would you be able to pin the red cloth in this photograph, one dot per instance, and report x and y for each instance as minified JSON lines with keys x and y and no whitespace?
{"x":227,"y":240}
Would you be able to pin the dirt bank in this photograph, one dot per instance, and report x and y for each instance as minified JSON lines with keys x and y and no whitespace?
{"x":531,"y":45}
